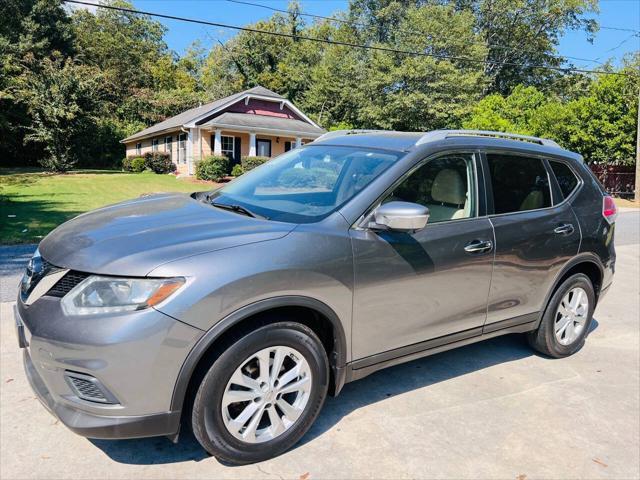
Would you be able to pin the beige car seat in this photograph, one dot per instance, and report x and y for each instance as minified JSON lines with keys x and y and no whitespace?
{"x":533,"y":201}
{"x":450,"y":191}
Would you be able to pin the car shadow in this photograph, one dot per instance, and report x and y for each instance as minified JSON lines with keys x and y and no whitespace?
{"x":377,"y":387}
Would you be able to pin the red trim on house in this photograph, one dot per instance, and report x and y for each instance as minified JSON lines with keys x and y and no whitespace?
{"x":261,"y":107}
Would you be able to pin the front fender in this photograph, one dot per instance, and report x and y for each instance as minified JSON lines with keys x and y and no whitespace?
{"x":337,"y":360}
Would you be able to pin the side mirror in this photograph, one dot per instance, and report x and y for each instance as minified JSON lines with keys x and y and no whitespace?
{"x":401,"y":216}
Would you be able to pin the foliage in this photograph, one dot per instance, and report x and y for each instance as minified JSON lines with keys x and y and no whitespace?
{"x":135,"y":164}
{"x":516,"y":32}
{"x":308,"y":178}
{"x":61,"y":101}
{"x":213,"y":167}
{"x":237,"y":170}
{"x":599,"y":122}
{"x":249,"y":163}
{"x":30,"y":31}
{"x":120,"y":76}
{"x":159,"y":162}
{"x":33,"y":204}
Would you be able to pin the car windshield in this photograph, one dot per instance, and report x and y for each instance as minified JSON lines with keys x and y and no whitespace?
{"x":304,"y":185}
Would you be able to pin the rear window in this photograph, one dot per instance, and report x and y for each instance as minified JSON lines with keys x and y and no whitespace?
{"x":519,"y":183}
{"x":566,"y":178}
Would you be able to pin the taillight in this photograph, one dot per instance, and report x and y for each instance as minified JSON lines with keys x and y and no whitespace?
{"x":609,"y":209}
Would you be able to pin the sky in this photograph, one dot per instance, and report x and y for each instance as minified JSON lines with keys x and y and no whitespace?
{"x":623,"y":14}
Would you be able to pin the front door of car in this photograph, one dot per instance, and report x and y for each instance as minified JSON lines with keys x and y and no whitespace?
{"x":536,"y":233}
{"x":413,"y":287}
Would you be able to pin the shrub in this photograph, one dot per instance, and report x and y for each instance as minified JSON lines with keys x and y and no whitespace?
{"x":249,"y":163}
{"x":212,"y":168}
{"x":127,"y":163}
{"x":138,"y":164}
{"x":237,"y":170}
{"x":159,"y":162}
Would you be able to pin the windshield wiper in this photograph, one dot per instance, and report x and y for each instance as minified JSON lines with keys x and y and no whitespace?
{"x":238,"y":209}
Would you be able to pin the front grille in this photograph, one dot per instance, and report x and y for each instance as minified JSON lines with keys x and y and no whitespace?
{"x":36,"y":270}
{"x":66,"y":283}
{"x":88,"y":388}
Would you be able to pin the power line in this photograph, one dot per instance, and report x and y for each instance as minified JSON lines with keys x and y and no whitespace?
{"x":620,"y":29}
{"x":364,"y":25}
{"x":339,"y":43}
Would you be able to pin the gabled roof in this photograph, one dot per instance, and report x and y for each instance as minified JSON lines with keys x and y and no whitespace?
{"x":189,"y":115}
{"x":265,"y":124}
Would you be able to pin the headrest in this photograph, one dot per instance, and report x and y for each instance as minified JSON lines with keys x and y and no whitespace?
{"x":448,"y":187}
{"x":533,"y":201}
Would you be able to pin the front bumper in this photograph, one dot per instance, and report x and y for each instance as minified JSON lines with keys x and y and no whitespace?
{"x":101,"y":426}
{"x":135,"y":357}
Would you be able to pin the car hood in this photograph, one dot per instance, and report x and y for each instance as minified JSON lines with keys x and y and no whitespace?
{"x":134,"y":237}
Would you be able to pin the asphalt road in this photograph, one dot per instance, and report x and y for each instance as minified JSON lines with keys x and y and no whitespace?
{"x":489,"y":410}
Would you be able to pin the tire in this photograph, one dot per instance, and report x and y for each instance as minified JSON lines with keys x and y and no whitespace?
{"x":557,"y":345}
{"x":213,"y":425}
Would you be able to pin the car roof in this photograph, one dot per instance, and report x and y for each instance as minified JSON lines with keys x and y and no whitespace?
{"x":388,"y":140}
{"x":410,"y":141}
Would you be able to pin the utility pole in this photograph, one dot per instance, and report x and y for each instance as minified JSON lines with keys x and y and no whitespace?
{"x":637,"y":193}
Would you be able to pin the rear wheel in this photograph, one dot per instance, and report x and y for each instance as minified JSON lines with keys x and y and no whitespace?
{"x":567,"y":318}
{"x":262,"y":394}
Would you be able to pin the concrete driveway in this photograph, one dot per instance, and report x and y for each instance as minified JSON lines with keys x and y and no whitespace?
{"x":490,"y":410}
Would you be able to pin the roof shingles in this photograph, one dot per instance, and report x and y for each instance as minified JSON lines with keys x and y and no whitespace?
{"x":187,"y":116}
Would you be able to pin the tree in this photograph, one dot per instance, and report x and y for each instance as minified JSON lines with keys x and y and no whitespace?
{"x":599,"y":122}
{"x":407,"y":92}
{"x":30,"y":31}
{"x":62,"y":101}
{"x":517,"y":33}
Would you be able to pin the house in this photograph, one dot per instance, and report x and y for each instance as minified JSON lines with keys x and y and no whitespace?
{"x":256,"y":122}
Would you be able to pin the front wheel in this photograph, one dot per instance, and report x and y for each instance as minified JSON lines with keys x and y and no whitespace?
{"x":262,"y":394}
{"x":567,"y":318}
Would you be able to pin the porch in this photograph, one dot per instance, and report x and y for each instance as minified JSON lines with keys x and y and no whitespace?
{"x":237,"y":144}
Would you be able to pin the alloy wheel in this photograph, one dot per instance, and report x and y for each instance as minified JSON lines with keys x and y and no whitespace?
{"x":571,"y":316}
{"x":266,"y":394}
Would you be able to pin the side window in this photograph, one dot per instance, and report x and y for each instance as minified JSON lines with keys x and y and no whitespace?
{"x":519,"y":183}
{"x":443,"y":185}
{"x":565,"y":176}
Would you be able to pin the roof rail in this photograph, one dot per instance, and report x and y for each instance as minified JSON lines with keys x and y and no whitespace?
{"x":444,"y":134}
{"x":340,"y":133}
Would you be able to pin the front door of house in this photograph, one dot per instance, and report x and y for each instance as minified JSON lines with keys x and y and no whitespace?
{"x":237,"y":149}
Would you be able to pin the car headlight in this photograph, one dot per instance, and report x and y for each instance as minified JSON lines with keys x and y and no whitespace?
{"x":98,"y":294}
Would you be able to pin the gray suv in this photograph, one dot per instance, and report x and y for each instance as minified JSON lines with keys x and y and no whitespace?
{"x":236,"y":311}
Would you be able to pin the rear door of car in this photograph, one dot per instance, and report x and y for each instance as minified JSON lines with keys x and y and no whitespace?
{"x":536,"y":233}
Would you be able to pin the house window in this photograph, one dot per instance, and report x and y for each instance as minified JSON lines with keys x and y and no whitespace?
{"x":154,"y":144}
{"x":138,"y":149}
{"x":182,"y":148}
{"x":287,"y":146}
{"x":167,"y":144}
{"x":226,"y":144}
{"x":263,"y":148}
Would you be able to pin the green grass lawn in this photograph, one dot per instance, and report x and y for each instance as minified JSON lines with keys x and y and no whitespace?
{"x":32,"y":204}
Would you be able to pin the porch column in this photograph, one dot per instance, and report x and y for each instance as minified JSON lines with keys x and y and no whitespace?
{"x":252,"y":144}
{"x":298,"y":142}
{"x":217,"y":143}
{"x":192,"y":149}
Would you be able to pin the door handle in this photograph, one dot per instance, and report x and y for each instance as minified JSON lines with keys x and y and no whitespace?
{"x":566,"y":229}
{"x":479,"y":246}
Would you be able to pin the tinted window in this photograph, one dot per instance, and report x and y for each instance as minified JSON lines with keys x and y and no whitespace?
{"x":566,"y":178}
{"x":442,"y":185}
{"x":519,"y":183}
